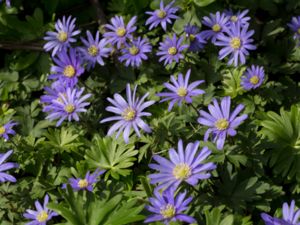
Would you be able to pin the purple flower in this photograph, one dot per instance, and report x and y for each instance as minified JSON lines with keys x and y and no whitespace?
{"x":236,"y":42}
{"x":94,"y":50}
{"x":61,"y":39}
{"x":129,"y":113}
{"x":134,"y":52}
{"x":295,"y":27}
{"x":196,"y":38}
{"x":167,"y":208}
{"x":119,"y":33}
{"x":290,"y":216}
{"x":41,"y":215}
{"x":220,"y":121}
{"x":253,"y":77}
{"x":67,"y":106}
{"x":181,"y":90}
{"x":162,"y":16}
{"x":185,"y":165}
{"x":53,"y":92}
{"x":7,"y":2}
{"x":87,"y":182}
{"x":6,"y":166}
{"x":68,"y":68}
{"x":217,"y":22}
{"x":6,"y":129}
{"x":170,"y":50}
{"x":239,"y":17}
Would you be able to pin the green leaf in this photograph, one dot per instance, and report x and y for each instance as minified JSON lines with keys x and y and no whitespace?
{"x":202,"y":3}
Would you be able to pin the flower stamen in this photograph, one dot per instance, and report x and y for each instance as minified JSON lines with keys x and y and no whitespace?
{"x":93,"y":50}
{"x":42,"y":216}
{"x":2,"y":130}
{"x":216,"y":28}
{"x":62,"y":36}
{"x":121,"y":31}
{"x":134,"y":50}
{"x":129,"y":114}
{"x":161,"y":14}
{"x":181,"y":91}
{"x":181,"y":171}
{"x":172,"y":51}
{"x":235,"y":43}
{"x":69,"y":71}
{"x":168,"y":211}
{"x":69,"y":108}
{"x":83,"y":183}
{"x":221,"y":124}
{"x":254,"y":79}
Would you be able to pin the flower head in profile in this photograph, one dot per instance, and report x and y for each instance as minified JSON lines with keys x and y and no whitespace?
{"x":185,"y":165}
{"x":135,"y":52}
{"x":236,"y":42}
{"x":171,"y":50}
{"x":162,"y":16}
{"x":41,"y":215}
{"x":220,"y":122}
{"x":87,"y":182}
{"x":6,"y":166}
{"x":6,"y":129}
{"x":290,"y":216}
{"x":181,"y":90}
{"x":67,"y":68}
{"x":239,"y":17}
{"x":62,"y":37}
{"x":197,"y":41}
{"x":129,"y":113}
{"x":167,"y":207}
{"x":94,"y":50}
{"x":67,"y":105}
{"x":294,"y":25}
{"x":253,"y":77}
{"x":216,"y":22}
{"x":119,"y":32}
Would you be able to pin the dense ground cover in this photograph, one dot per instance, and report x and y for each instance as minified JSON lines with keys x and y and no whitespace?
{"x":135,"y":111}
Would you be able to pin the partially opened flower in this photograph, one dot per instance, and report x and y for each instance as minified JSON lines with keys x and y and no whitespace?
{"x":167,"y":207}
{"x":253,"y":77}
{"x":87,"y":182}
{"x":239,"y":17}
{"x":171,"y":50}
{"x":41,"y":215}
{"x":217,"y":22}
{"x":181,"y":90}
{"x":94,"y":50}
{"x":236,"y":42}
{"x":6,"y":166}
{"x":220,"y":122}
{"x":162,"y":16}
{"x":64,"y":35}
{"x":185,"y":165}
{"x":290,"y":216}
{"x":6,"y":129}
{"x":129,"y":113}
{"x":197,"y":41}
{"x":294,"y":25}
{"x":53,"y":92}
{"x":67,"y":106}
{"x":135,"y":52}
{"x":68,"y":68}
{"x":119,"y":32}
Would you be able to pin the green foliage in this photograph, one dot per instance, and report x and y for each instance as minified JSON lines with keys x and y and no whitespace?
{"x":111,"y":154}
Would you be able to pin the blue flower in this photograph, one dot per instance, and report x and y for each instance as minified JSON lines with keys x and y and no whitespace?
{"x":6,"y":129}
{"x":129,"y":113}
{"x":294,"y":25}
{"x":6,"y":166}
{"x":239,"y":17}
{"x":64,"y":35}
{"x":196,"y":38}
{"x":253,"y":77}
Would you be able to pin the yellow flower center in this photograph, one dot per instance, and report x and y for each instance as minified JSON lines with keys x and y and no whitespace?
{"x":69,"y":71}
{"x":129,"y":114}
{"x":2,"y":130}
{"x":161,"y":14}
{"x":235,"y":43}
{"x":121,"y":31}
{"x":234,"y":18}
{"x":254,"y":79}
{"x":83,"y":183}
{"x":216,"y":28}
{"x":69,"y":108}
{"x":192,"y":37}
{"x":62,"y":36}
{"x":172,"y":51}
{"x":42,"y":216}
{"x":181,"y":171}
{"x":93,"y":50}
{"x":134,"y":50}
{"x":168,"y":211}
{"x":181,"y":91}
{"x":221,"y":124}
